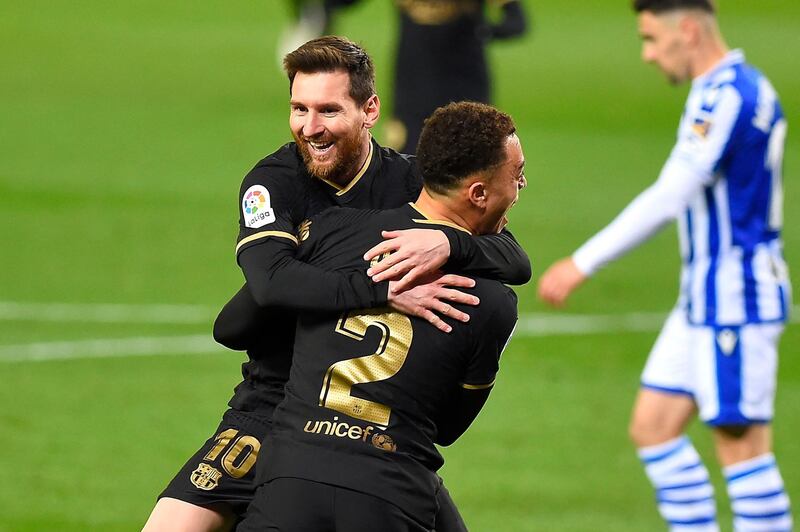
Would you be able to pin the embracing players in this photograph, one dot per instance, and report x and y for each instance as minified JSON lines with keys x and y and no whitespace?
{"x":371,"y":391}
{"x":333,"y":162}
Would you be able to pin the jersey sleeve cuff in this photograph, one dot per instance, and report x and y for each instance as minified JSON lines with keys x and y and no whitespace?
{"x":584,"y":263}
{"x":459,"y":242}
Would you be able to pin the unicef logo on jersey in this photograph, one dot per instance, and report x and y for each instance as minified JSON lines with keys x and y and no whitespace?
{"x":256,"y":208}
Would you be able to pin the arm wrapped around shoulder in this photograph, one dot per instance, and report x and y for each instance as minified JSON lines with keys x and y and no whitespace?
{"x":498,"y":256}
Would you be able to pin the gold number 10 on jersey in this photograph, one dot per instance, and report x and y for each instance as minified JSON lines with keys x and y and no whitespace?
{"x":388,"y":358}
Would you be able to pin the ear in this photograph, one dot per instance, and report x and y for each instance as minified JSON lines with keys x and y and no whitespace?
{"x":690,"y":30}
{"x":476,"y":193}
{"x":372,"y":111}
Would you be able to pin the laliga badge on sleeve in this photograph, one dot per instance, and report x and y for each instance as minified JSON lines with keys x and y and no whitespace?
{"x":700,"y":127}
{"x":256,"y":208}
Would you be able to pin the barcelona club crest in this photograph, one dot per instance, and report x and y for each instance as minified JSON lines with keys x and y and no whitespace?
{"x":384,"y":442}
{"x":206,"y":477}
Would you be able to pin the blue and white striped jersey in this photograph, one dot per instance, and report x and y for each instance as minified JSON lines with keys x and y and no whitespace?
{"x":733,"y":129}
{"x":722,"y":182}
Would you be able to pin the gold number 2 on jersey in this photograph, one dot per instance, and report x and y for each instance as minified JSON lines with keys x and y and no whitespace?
{"x":386,"y":361}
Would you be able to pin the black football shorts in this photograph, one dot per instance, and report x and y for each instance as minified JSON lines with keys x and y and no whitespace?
{"x":222,"y":471}
{"x":298,"y":505}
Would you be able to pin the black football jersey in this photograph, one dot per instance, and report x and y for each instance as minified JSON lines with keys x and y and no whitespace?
{"x":276,"y":196}
{"x":367,"y":388}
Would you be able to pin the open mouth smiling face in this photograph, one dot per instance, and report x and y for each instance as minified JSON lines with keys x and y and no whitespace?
{"x":327,"y":124}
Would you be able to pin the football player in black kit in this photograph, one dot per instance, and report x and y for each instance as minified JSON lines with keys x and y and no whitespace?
{"x":333,"y":162}
{"x":441,"y":58}
{"x":371,"y":391}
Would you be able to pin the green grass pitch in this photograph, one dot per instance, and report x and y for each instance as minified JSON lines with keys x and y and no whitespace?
{"x":126,"y":129}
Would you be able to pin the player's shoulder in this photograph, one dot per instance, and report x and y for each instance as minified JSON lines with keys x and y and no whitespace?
{"x":343,"y":217}
{"x":393,"y":157}
{"x":495,"y":293}
{"x":498,"y":301}
{"x":738,"y":80}
{"x":346,"y":219}
{"x":342,"y":224}
{"x":394,"y":162}
{"x":286,"y":155}
{"x":282,"y":167}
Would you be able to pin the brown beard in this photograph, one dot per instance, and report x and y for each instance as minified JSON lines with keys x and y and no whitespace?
{"x":341,"y":169}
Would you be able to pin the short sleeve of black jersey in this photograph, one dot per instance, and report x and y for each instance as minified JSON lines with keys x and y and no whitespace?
{"x":498,"y":256}
{"x":271,"y":199}
{"x":490,"y":337}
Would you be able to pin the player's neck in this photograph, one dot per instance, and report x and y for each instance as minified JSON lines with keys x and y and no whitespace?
{"x":708,"y":56}
{"x":445,"y":208}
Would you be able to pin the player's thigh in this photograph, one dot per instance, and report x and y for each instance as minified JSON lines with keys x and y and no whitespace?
{"x":736,"y":372}
{"x":665,"y":402}
{"x":360,"y":512}
{"x":740,"y":443}
{"x":659,"y":416}
{"x":220,"y":476}
{"x":173,"y":515}
{"x":291,"y":505}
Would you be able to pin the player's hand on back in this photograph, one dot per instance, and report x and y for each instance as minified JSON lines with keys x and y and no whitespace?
{"x":435,"y":295}
{"x":413,"y":254}
{"x":559,"y":281}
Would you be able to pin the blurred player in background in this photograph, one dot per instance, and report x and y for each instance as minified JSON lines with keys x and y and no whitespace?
{"x":717,"y":353}
{"x":359,"y":455}
{"x":441,"y":58}
{"x":333,"y":162}
{"x":440,"y":54}
{"x":310,"y":19}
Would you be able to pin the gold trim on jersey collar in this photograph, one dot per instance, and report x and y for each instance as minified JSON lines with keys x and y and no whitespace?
{"x":430,"y":220}
{"x":343,"y":190}
{"x":265,"y":234}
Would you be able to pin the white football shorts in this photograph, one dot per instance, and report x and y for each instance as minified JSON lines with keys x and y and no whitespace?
{"x":729,"y":371}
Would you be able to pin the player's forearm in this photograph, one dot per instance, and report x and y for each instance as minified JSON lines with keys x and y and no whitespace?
{"x":277,"y":279}
{"x":498,"y":257}
{"x":239,"y":321}
{"x":513,"y":22}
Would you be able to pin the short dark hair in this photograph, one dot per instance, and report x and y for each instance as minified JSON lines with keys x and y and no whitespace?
{"x":331,"y":53}
{"x":461,"y":139}
{"x":662,"y":6}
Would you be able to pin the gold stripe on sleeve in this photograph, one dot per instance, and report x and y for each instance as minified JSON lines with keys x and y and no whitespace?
{"x":477,"y":386}
{"x":265,"y":234}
